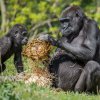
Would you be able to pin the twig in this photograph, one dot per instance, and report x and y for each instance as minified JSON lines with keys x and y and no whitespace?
{"x":42,"y":24}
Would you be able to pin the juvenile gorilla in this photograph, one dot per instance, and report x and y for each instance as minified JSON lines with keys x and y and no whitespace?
{"x":75,"y":63}
{"x":12,"y":43}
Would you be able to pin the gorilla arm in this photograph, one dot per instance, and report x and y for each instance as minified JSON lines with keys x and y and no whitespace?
{"x":82,"y":52}
{"x":18,"y":61}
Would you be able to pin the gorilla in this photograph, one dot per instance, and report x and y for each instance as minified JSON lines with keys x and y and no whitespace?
{"x":75,"y":63}
{"x":12,"y":43}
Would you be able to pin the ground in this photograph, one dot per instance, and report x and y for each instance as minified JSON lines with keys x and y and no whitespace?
{"x":20,"y":91}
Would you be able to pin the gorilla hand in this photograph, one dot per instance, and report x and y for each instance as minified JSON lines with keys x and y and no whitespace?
{"x":48,"y":38}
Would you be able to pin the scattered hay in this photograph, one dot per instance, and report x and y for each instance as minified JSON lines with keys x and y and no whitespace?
{"x":38,"y":52}
{"x":40,"y":76}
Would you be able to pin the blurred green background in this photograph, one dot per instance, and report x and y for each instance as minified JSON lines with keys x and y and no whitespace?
{"x":41,"y":16}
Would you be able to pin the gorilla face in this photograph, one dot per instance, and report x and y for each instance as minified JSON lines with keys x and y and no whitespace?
{"x":19,"y":34}
{"x":71,"y":22}
{"x":24,"y":37}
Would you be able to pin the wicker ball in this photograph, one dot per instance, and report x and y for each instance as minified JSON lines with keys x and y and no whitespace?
{"x":37,"y":49}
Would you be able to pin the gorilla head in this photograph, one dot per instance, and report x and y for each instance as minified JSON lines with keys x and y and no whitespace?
{"x":19,"y":34}
{"x":71,"y":20}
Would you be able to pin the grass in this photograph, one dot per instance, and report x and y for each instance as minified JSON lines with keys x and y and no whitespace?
{"x":20,"y":91}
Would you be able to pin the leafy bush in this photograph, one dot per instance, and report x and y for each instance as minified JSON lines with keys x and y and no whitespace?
{"x":41,"y":16}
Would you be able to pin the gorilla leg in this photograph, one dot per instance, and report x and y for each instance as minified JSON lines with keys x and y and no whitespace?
{"x":89,"y":78}
{"x":53,"y":69}
{"x":68,"y":75}
{"x":2,"y":67}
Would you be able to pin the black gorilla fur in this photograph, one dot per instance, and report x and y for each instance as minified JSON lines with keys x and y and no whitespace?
{"x":12,"y":43}
{"x":75,"y":63}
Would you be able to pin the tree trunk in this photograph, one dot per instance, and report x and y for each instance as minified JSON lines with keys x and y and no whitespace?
{"x":3,"y":14}
{"x":98,"y":6}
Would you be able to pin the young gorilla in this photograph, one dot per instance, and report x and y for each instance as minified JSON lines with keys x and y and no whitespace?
{"x":12,"y":43}
{"x":75,"y":63}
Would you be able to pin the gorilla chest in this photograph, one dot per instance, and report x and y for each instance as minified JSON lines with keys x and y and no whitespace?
{"x":77,"y":41}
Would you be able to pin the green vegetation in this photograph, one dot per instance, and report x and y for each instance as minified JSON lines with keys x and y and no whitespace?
{"x":39,"y":16}
{"x":20,"y":91}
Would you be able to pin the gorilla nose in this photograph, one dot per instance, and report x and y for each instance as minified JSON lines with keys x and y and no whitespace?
{"x":26,"y":39}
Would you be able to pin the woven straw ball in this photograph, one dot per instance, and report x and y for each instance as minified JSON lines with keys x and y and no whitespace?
{"x":37,"y":49}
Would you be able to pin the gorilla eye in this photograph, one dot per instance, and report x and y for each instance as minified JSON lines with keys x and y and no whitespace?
{"x":24,"y":33}
{"x":62,"y":20}
{"x":16,"y":32}
{"x":77,"y":14}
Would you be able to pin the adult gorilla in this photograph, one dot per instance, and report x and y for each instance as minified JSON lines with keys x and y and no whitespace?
{"x":75,"y":63}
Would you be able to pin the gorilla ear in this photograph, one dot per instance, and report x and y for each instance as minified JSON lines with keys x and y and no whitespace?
{"x":78,"y":14}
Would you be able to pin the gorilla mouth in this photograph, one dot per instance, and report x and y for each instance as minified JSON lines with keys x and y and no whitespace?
{"x":24,"y":41}
{"x":66,"y":31}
